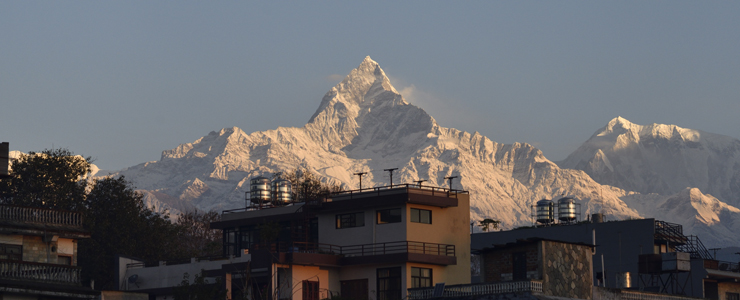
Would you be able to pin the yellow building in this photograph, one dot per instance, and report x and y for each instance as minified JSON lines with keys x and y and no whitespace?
{"x":369,"y":244}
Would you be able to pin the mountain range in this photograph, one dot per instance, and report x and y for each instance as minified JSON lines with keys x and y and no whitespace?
{"x":364,"y":124}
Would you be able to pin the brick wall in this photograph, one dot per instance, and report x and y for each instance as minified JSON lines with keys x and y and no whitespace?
{"x":727,"y":287}
{"x":499,"y":265}
{"x":35,"y":250}
{"x":567,"y":270}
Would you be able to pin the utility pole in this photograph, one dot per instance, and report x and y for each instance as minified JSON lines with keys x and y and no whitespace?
{"x":450,"y":180}
{"x":390,"y":172}
{"x":360,"y":174}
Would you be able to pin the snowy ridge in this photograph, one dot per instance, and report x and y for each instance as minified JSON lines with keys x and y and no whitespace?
{"x":364,"y":124}
{"x":663,"y":159}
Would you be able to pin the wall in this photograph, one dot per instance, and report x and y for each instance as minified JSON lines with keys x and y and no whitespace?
{"x":566,"y":270}
{"x":169,"y":276}
{"x":499,"y":265}
{"x":310,"y":273}
{"x":621,"y":242}
{"x":727,"y":287}
{"x":450,"y":225}
{"x":36,"y":250}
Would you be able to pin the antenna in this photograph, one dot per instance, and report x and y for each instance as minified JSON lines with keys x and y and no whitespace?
{"x":449,"y":178}
{"x":390,"y":172}
{"x":360,"y":174}
{"x":418,"y":182}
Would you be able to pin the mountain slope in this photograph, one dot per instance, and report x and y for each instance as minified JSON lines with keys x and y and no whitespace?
{"x":661,"y":159}
{"x":364,"y":125}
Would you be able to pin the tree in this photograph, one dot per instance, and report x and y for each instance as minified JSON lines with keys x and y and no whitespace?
{"x":485,"y":223}
{"x":51,"y":179}
{"x":119,"y":223}
{"x":306,"y":185}
{"x":196,"y":236}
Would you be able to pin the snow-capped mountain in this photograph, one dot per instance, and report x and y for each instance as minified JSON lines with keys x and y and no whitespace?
{"x":663,"y":159}
{"x":364,"y":125}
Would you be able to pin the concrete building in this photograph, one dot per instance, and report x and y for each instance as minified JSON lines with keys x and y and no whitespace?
{"x":363,"y":244}
{"x":38,"y":254}
{"x":645,"y":255}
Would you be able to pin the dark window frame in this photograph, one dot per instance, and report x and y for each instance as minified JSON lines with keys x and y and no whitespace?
{"x":422,"y":216}
{"x":389,"y":285}
{"x":350,"y":220}
{"x":419,"y":280}
{"x":390,"y":215}
{"x":310,"y":290}
{"x":7,"y":252}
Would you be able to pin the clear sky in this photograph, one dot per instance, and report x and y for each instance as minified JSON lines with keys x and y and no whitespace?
{"x":123,"y":80}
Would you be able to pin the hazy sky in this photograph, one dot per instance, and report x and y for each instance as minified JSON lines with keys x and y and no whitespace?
{"x":123,"y":80}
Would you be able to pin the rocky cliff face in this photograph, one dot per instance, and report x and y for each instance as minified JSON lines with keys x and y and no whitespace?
{"x":364,"y":125}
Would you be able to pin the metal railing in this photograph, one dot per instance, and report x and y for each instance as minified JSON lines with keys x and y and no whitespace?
{"x":722,"y":265}
{"x":359,"y":193}
{"x":24,"y":270}
{"x":487,"y":288}
{"x":638,"y":295}
{"x":695,"y":247}
{"x":40,"y":215}
{"x":670,"y":232}
{"x":360,"y":250}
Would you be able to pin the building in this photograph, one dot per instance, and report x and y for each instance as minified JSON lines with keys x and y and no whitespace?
{"x":363,"y":244}
{"x":38,"y":254}
{"x":646,"y":255}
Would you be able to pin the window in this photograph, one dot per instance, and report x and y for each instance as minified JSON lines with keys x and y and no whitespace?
{"x":11,"y":252}
{"x":421,"y":277}
{"x":732,"y":296}
{"x":351,"y":220}
{"x":310,"y":290}
{"x":389,"y":283}
{"x":231,"y":247}
{"x":421,"y":216}
{"x":64,"y":260}
{"x":389,"y":216}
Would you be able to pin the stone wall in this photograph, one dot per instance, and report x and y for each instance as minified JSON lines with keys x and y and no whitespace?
{"x":499,"y":265}
{"x":727,"y":287}
{"x":567,"y":270}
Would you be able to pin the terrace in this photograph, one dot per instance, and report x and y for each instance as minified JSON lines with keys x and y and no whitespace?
{"x":39,"y":272}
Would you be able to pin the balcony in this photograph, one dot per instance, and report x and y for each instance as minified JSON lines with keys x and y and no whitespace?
{"x":333,"y":255}
{"x":39,"y":216}
{"x":39,"y":272}
{"x":487,"y":288}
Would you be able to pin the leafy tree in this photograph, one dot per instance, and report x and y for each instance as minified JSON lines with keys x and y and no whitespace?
{"x":485,"y":223}
{"x":119,"y":223}
{"x":196,"y":236}
{"x":306,"y":185}
{"x":199,"y":289}
{"x":51,"y":179}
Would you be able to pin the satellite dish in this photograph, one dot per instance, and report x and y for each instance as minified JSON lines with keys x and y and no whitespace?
{"x":134,"y":279}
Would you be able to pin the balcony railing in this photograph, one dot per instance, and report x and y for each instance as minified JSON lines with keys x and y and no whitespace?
{"x":488,"y":288}
{"x":40,"y":216}
{"x":722,"y":265}
{"x":31,"y":271}
{"x":362,"y":250}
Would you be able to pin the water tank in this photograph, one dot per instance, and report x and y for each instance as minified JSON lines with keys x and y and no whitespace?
{"x":545,"y":211}
{"x":567,"y":209}
{"x":282,"y":191}
{"x":259,"y":190}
